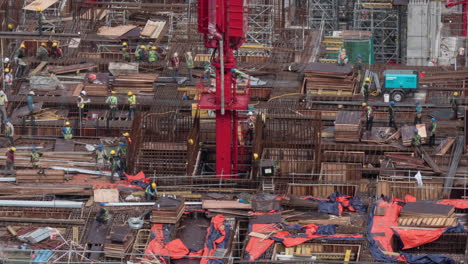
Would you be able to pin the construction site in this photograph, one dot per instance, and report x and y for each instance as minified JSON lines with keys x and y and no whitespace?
{"x":232,"y":131}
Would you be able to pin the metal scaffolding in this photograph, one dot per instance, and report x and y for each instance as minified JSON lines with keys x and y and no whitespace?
{"x":323,"y":10}
{"x":260,"y":22}
{"x":385,"y":24}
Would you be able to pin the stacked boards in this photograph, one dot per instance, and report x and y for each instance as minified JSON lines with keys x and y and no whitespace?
{"x":119,"y":242}
{"x":140,"y":84}
{"x":427,"y":214}
{"x":326,"y":79}
{"x":348,"y":126}
{"x":167,"y":210}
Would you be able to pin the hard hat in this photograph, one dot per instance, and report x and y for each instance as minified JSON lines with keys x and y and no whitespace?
{"x":6,"y":60}
{"x":190,"y":141}
{"x":176,"y":54}
{"x":102,"y":204}
{"x":129,"y":93}
{"x":456,"y":94}
{"x":433,"y":119}
{"x":416,"y":131}
{"x":113,"y":92}
{"x":233,"y":70}
{"x":143,"y":46}
{"x":392,"y":102}
{"x":368,"y":79}
{"x":92,"y":77}
{"x":23,"y":46}
{"x":83,"y":92}
{"x":5,"y":121}
{"x":112,"y":152}
{"x":417,"y":102}
{"x":43,"y":44}
{"x":33,"y":148}
{"x":189,"y":52}
{"x":343,"y":50}
{"x":125,"y":44}
{"x":13,"y":149}
{"x":250,"y":113}
{"x":55,"y":44}
{"x":126,"y":134}
{"x":32,"y":93}
{"x":39,"y":9}
{"x":154,"y":48}
{"x":10,"y":26}
{"x":153,"y":185}
{"x":255,"y":156}
{"x":364,"y":104}
{"x":67,"y":123}
{"x":123,"y":144}
{"x":2,"y":93}
{"x":100,"y":146}
{"x":7,"y":70}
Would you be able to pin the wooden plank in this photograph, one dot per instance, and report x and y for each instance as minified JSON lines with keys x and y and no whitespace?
{"x":42,"y":220}
{"x":72,"y":68}
{"x":106,"y":196}
{"x":114,"y":31}
{"x":444,"y":146}
{"x":224,"y":204}
{"x":43,"y":4}
{"x":38,"y":69}
{"x":427,"y":209}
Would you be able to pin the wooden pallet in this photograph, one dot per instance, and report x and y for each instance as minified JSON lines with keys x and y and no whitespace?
{"x":167,"y":215}
{"x":428,"y":221}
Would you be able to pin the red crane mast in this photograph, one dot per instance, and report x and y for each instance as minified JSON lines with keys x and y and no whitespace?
{"x":464,"y":3}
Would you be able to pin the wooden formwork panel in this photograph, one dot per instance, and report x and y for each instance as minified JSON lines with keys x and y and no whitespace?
{"x":321,"y":251}
{"x":331,"y":172}
{"x":429,"y":191}
{"x":321,"y":190}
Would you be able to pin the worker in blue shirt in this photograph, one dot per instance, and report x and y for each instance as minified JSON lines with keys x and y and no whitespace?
{"x":67,"y":131}
{"x":30,"y":100}
{"x":103,"y":215}
{"x":151,"y":192}
{"x":417,"y":118}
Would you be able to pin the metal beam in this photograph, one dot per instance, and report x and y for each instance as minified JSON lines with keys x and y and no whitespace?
{"x":47,"y":204}
{"x":35,"y":35}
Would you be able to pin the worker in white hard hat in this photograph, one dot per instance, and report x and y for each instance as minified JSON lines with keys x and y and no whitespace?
{"x":81,"y":103}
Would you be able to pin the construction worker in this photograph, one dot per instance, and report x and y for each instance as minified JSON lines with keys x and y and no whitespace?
{"x":116,"y":167}
{"x":132,"y":105}
{"x":42,"y":52}
{"x":251,"y":126}
{"x":366,"y":88}
{"x":11,"y":28}
{"x":342,"y":58}
{"x":454,"y":104}
{"x":127,"y":138}
{"x":10,"y":161}
{"x":418,"y":112}
{"x":112,"y":101}
{"x":122,"y":152}
{"x":103,"y":216}
{"x":67,"y":131}
{"x":150,"y":192}
{"x":81,"y":103}
{"x":35,"y":155}
{"x":3,"y":105}
{"x":8,"y":80}
{"x":55,"y":51}
{"x":140,"y":53}
{"x":153,"y":55}
{"x":190,"y":64}
{"x":6,"y":63}
{"x":175,"y":63}
{"x":126,"y":52}
{"x":92,"y":78}
{"x":30,"y":101}
{"x":391,"y":115}
{"x":432,"y":132}
{"x":20,"y":54}
{"x":369,"y":112}
{"x":40,"y":20}
{"x":416,"y":140}
{"x":9,"y":132}
{"x":100,"y":154}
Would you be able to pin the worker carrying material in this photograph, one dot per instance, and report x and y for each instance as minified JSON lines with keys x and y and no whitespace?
{"x":416,"y":140}
{"x":151,"y":193}
{"x":81,"y":103}
{"x":42,"y":52}
{"x":127,"y":138}
{"x":35,"y":156}
{"x":153,"y":55}
{"x":432,"y":132}
{"x":55,"y":51}
{"x":141,"y":54}
{"x":9,"y":133}
{"x":112,"y":101}
{"x":391,"y":115}
{"x":132,"y":105}
{"x":40,"y":20}
{"x":103,"y":216}
{"x":100,"y":157}
{"x":368,"y":111}
{"x":418,"y":113}
{"x":366,"y":88}
{"x":342,"y":58}
{"x":67,"y":131}
{"x":125,"y":52}
{"x":3,"y":105}
{"x":10,"y":161}
{"x":454,"y":105}
{"x":116,"y":167}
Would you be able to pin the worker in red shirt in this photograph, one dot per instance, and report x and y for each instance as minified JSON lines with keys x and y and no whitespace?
{"x":10,"y":161}
{"x":55,"y":51}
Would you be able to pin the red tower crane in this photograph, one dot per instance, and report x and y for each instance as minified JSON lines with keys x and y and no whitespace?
{"x":464,"y":3}
{"x":222,"y":24}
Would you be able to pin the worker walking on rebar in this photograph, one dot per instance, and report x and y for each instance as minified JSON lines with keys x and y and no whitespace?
{"x":140,"y":53}
{"x":40,"y":20}
{"x":342,"y":58}
{"x":251,"y":126}
{"x":81,"y":103}
{"x":190,"y":64}
{"x":454,"y":105}
{"x":432,"y":132}
{"x":418,"y":112}
{"x":416,"y":140}
{"x":153,"y":55}
{"x":112,"y":101}
{"x":9,"y":132}
{"x":42,"y":52}
{"x":20,"y":54}
{"x":35,"y":156}
{"x":67,"y":131}
{"x":126,"y":52}
{"x":366,"y":88}
{"x":132,"y":105}
{"x":122,"y":152}
{"x":100,"y":157}
{"x":8,"y":80}
{"x":3,"y":105}
{"x":55,"y":51}
{"x":103,"y":215}
{"x":151,"y":193}
{"x":391,"y":115}
{"x":369,"y":112}
{"x":10,"y":161}
{"x":114,"y":160}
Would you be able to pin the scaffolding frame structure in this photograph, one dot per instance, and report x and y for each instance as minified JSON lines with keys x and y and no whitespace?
{"x":260,"y":22}
{"x":323,"y":10}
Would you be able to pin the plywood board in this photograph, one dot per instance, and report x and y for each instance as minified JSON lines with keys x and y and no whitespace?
{"x":106,"y":196}
{"x":98,"y":14}
{"x":43,"y":4}
{"x":153,"y":29}
{"x":114,"y":31}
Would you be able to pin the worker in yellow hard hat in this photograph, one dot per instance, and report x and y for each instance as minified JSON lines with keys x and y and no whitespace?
{"x":67,"y":131}
{"x":454,"y":104}
{"x":132,"y":105}
{"x":153,"y":55}
{"x":115,"y":165}
{"x":366,"y":88}
{"x":20,"y":54}
{"x":151,"y":193}
{"x":364,"y":104}
{"x":55,"y":51}
{"x":141,"y":54}
{"x":8,"y":79}
{"x":112,"y":101}
{"x":125,"y":52}
{"x":127,"y":138}
{"x":10,"y":161}
{"x":40,"y":20}
{"x":10,"y":27}
{"x":42,"y":52}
